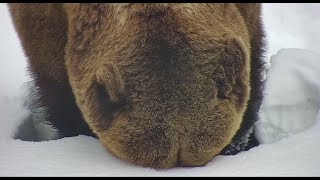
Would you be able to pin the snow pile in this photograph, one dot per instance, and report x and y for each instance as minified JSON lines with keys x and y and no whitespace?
{"x":289,"y":128}
{"x":12,"y":77}
{"x":292,"y":95}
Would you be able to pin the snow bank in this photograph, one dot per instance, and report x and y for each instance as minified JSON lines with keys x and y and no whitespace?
{"x":292,"y":95}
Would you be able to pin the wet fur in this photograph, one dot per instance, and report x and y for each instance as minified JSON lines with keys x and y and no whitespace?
{"x":143,"y":78}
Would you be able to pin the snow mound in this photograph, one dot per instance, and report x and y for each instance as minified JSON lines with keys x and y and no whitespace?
{"x":292,"y":95}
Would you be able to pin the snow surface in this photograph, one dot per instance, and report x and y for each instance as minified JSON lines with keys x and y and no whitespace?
{"x":292,"y":95}
{"x":288,"y":129}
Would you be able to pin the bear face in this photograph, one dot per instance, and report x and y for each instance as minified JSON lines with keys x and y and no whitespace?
{"x":160,"y":85}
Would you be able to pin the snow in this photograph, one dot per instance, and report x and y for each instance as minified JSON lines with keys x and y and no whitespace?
{"x":288,"y":129}
{"x":292,"y":25}
{"x":292,"y":95}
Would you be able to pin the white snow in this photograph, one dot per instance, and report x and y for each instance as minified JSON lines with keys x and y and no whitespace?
{"x":288,"y":129}
{"x":292,"y":95}
{"x":292,"y":25}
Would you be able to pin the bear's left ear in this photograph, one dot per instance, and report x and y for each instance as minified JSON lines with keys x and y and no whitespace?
{"x":236,"y":48}
{"x":232,"y":75}
{"x":109,"y":77}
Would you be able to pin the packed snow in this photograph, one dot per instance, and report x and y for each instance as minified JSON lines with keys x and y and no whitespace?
{"x":288,"y":128}
{"x":292,"y":95}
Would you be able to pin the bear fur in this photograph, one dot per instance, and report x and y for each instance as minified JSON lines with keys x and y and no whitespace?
{"x":160,"y":85}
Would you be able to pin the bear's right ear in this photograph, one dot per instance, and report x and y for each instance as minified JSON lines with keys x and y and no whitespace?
{"x":108,"y":76}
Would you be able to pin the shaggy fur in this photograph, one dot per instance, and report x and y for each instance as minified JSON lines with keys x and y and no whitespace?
{"x":160,"y":85}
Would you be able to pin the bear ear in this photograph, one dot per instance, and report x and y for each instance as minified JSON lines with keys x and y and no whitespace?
{"x":235,"y":48}
{"x":232,"y":78}
{"x":109,"y":78}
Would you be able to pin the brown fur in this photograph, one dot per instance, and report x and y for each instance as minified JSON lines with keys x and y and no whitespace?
{"x":161,"y":85}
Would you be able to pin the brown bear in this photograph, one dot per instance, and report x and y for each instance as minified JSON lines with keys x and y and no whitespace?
{"x":160,"y":85}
